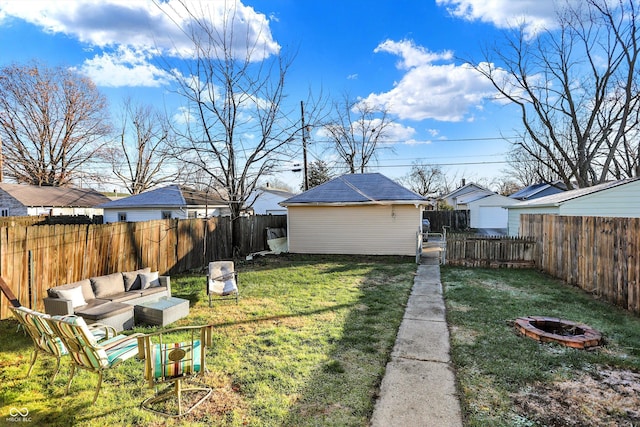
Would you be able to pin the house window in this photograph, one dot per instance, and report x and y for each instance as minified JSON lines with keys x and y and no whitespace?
{"x":5,"y":212}
{"x":122,"y":216}
{"x":192,"y":214}
{"x":166,"y":214}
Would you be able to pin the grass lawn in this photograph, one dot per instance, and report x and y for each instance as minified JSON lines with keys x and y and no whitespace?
{"x":307,"y":345}
{"x":508,"y":380}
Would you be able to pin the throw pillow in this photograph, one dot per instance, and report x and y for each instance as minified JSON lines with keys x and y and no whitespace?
{"x":149,"y":280}
{"x":74,"y":295}
{"x":104,"y":286}
{"x":131,"y":279}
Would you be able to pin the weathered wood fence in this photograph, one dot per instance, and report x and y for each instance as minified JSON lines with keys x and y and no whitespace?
{"x":599,"y":255}
{"x":35,"y":258}
{"x":490,"y":251}
{"x":457,"y":220}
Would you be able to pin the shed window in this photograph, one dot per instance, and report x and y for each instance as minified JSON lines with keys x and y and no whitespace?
{"x":122,"y":216}
{"x":192,"y":214}
{"x":166,"y":214}
{"x":5,"y":212}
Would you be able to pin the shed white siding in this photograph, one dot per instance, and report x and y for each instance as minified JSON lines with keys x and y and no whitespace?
{"x":369,"y":230}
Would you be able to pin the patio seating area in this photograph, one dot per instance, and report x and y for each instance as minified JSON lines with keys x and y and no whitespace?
{"x":304,"y":325}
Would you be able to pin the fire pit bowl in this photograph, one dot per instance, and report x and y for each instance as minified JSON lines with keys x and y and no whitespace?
{"x":552,"y":329}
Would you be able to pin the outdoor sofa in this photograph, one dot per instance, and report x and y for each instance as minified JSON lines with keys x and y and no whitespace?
{"x":108,"y":299}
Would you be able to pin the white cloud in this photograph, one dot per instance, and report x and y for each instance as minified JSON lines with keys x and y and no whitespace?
{"x":533,"y":14}
{"x":444,"y":92}
{"x":126,"y":67}
{"x":144,"y":27}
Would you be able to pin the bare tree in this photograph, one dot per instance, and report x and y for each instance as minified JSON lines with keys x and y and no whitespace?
{"x":426,"y":180}
{"x":236,"y":129}
{"x":357,"y":131}
{"x":576,"y":88}
{"x":526,"y":169}
{"x":50,"y":122}
{"x":140,"y":158}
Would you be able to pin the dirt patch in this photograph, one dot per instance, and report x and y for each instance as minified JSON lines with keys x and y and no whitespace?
{"x":602,"y":398}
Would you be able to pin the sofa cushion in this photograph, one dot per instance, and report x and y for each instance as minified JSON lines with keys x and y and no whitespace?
{"x":149,"y":280}
{"x":74,"y":295}
{"x":87,"y":290}
{"x":154,"y":290}
{"x":101,"y":311}
{"x":131,"y":279}
{"x":124,"y":296}
{"x":110,"y":284}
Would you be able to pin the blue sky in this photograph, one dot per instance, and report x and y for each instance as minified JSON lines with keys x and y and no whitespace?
{"x":407,"y":54}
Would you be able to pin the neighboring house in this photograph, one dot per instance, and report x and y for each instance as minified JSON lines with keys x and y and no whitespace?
{"x":32,"y":200}
{"x":459,"y":198}
{"x":265,"y":201}
{"x":489,"y":212}
{"x":536,"y":191}
{"x":611,"y":199}
{"x":173,"y":201}
{"x":355,"y":214}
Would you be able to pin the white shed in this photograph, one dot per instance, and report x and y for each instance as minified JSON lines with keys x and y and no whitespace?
{"x":355,"y":214}
{"x":611,"y":199}
{"x":490,"y":212}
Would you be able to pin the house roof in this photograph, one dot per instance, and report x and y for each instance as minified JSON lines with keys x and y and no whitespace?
{"x":365,"y":188}
{"x":276,"y":192}
{"x":468,"y":188}
{"x":472,"y":196}
{"x":531,"y":191}
{"x":32,"y":195}
{"x":170,"y":196}
{"x":565,"y":196}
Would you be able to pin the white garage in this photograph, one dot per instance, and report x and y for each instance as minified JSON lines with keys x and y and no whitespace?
{"x":490,"y":212}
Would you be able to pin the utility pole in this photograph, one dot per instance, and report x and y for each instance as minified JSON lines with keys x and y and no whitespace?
{"x":304,"y":149}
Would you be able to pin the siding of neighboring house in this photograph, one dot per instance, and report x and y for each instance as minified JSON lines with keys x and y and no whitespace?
{"x":12,"y":206}
{"x":622,"y":201}
{"x":266,"y":203}
{"x":150,"y":214}
{"x":514,"y":216}
{"x":48,"y":210}
{"x":612,"y":200}
{"x":370,"y":229}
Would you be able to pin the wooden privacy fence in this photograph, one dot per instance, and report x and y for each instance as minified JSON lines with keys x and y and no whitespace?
{"x":455,"y":220}
{"x":599,"y":255}
{"x":489,"y":251}
{"x":35,"y":258}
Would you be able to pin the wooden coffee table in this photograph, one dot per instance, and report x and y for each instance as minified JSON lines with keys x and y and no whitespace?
{"x":162,"y":312}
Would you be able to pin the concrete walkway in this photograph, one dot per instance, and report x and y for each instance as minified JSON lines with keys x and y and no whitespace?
{"x":418,"y":388}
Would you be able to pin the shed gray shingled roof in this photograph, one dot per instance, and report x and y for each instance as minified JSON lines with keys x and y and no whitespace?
{"x":170,"y":196}
{"x":356,"y":188}
{"x":32,"y":195}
